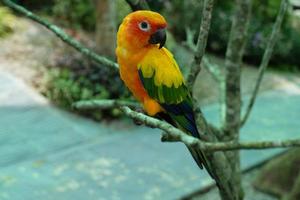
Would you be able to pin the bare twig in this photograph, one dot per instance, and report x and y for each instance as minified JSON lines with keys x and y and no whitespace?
{"x":201,"y":43}
{"x":172,"y":134}
{"x":266,"y":57}
{"x":138,"y":4}
{"x":62,"y":35}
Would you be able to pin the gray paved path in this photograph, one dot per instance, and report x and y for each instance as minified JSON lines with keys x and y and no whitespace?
{"x":46,"y":153}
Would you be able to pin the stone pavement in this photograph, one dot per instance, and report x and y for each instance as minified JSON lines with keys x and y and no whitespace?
{"x":46,"y":153}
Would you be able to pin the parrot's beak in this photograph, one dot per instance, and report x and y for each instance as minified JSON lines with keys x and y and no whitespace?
{"x":159,"y":37}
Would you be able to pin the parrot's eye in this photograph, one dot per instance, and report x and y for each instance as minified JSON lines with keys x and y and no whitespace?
{"x":144,"y":26}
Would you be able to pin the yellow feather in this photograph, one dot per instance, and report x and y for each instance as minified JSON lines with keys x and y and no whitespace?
{"x":162,"y":63}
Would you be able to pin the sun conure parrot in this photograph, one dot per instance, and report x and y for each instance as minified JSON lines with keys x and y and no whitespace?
{"x":152,"y":74}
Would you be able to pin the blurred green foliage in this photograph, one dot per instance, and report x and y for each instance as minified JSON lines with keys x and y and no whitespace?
{"x":63,"y":89}
{"x":77,"y":13}
{"x":263,"y":17}
{"x":64,"y":86}
{"x":287,"y":46}
{"x":36,"y":4}
{"x":7,"y":21}
{"x":81,"y":13}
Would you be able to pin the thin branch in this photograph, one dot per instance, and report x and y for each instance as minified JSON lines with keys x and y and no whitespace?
{"x":104,"y":104}
{"x":138,"y":4}
{"x":172,"y":134}
{"x":226,"y":146}
{"x":229,"y":146}
{"x":201,"y":42}
{"x":62,"y":35}
{"x":266,"y":57}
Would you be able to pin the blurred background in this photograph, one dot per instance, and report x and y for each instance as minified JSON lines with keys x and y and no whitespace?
{"x":50,"y":151}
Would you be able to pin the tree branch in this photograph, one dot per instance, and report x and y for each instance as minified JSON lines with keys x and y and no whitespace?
{"x":229,"y":146}
{"x":104,"y":104}
{"x":62,"y":35}
{"x":266,"y":57}
{"x":172,"y":134}
{"x":138,"y":4}
{"x":201,"y":42}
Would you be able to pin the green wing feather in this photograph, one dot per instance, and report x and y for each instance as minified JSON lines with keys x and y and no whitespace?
{"x":163,"y":93}
{"x":175,"y":100}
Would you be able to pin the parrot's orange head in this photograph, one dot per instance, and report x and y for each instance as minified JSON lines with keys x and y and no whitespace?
{"x":144,"y":28}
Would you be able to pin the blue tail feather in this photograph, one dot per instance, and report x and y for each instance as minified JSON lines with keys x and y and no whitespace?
{"x":184,"y":111}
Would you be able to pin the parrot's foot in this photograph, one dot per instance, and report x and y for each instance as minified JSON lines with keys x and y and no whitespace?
{"x":137,"y":122}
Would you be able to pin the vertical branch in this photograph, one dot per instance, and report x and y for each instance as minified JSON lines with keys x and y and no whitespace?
{"x":201,"y":43}
{"x":266,"y":57}
{"x":234,"y":54}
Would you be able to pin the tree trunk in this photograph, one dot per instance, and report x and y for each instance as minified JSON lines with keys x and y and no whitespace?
{"x":105,"y":36}
{"x":234,"y":54}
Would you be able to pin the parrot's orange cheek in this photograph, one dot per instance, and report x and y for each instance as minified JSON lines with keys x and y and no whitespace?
{"x":151,"y":107}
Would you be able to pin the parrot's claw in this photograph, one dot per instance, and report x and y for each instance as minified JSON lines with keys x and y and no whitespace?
{"x":137,"y":122}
